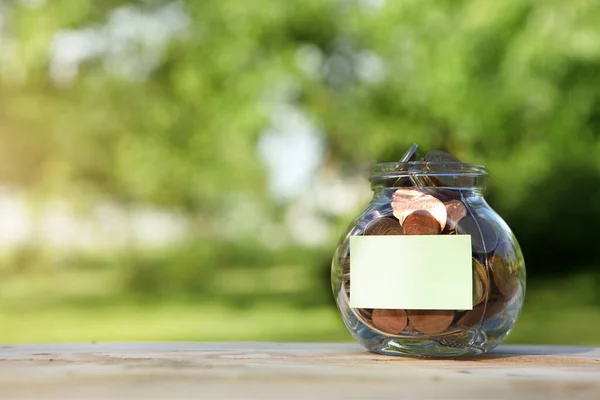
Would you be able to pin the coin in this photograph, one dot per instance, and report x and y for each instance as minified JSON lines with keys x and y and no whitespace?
{"x":377,"y":213}
{"x":430,"y":321}
{"x":429,"y":181}
{"x":482,"y":312}
{"x":421,"y":222}
{"x":389,"y":321}
{"x":472,"y":317}
{"x":383,"y":226}
{"x":418,"y":175}
{"x":440,"y":160}
{"x":401,"y":200}
{"x":366,"y":313}
{"x":481,"y":283}
{"x":345,"y":265}
{"x":484,"y":238}
{"x":455,"y":210}
{"x":410,"y":154}
{"x":427,"y":203}
{"x":504,"y":266}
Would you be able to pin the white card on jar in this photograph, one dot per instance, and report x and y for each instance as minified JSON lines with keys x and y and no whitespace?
{"x":420,"y":272}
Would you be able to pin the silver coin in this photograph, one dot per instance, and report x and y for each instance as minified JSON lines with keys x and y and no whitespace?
{"x":442,"y":160}
{"x":410,"y":154}
{"x":438,"y":161}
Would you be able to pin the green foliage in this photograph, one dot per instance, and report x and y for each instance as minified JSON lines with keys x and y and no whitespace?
{"x":511,"y":84}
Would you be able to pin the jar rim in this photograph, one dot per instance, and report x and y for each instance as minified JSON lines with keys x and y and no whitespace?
{"x":446,"y":174}
{"x":428,"y":168}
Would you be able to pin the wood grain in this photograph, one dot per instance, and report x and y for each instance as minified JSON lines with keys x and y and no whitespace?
{"x":290,"y":370}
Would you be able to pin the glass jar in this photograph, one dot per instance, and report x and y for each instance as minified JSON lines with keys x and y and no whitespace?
{"x":431,"y":200}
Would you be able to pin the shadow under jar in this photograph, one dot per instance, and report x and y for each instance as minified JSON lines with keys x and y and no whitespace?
{"x":431,"y":199}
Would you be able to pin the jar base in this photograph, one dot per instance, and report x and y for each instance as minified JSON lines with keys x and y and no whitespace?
{"x":424,"y":349}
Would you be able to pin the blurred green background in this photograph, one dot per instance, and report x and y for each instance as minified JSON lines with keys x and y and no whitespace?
{"x":181,"y":170}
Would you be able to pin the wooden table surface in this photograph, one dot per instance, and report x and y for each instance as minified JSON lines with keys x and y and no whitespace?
{"x":290,"y":370}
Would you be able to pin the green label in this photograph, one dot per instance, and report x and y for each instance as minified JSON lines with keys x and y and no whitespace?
{"x":411,"y":272}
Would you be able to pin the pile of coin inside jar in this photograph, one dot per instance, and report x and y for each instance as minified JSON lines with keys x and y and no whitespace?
{"x":423,"y":204}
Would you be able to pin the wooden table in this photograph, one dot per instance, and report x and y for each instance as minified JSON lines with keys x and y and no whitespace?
{"x":290,"y":370}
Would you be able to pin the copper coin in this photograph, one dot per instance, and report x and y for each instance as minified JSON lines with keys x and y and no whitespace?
{"x":383,"y":226}
{"x":366,"y":313}
{"x":426,"y":181}
{"x":417,"y":174}
{"x":389,"y":321}
{"x":402,"y":198}
{"x":484,"y":238}
{"x":430,"y":321}
{"x":384,"y":210}
{"x":345,"y":265}
{"x":472,"y":317}
{"x":481,"y":313}
{"x":504,"y":266}
{"x":455,"y":210}
{"x":427,"y":203}
{"x":421,"y":222}
{"x":481,"y":282}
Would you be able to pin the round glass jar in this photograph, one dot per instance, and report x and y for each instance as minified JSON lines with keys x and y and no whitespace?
{"x":425,"y":198}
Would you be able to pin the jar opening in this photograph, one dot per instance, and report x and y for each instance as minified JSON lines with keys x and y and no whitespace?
{"x":426,"y":173}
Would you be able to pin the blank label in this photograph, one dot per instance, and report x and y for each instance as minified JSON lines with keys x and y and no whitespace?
{"x":411,"y":272}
